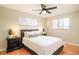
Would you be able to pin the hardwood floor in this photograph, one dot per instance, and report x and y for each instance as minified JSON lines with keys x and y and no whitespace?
{"x":68,"y":50}
{"x":21,"y":51}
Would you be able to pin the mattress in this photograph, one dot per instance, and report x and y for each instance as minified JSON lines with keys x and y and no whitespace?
{"x":43,"y":45}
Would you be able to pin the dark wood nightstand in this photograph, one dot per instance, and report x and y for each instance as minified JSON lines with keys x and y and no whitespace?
{"x":13,"y":44}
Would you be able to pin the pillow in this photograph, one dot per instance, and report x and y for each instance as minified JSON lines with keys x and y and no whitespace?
{"x":38,"y":32}
{"x":32,"y":34}
{"x":26,"y":34}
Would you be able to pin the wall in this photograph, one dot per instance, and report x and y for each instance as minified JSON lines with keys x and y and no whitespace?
{"x":70,"y":35}
{"x":9,"y":19}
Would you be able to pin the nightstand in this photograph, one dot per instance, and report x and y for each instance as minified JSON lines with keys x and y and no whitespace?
{"x":13,"y":44}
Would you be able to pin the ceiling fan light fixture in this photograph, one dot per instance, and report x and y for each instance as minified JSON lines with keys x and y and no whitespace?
{"x":44,"y":11}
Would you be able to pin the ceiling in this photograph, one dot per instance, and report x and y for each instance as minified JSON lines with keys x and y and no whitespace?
{"x":28,"y":8}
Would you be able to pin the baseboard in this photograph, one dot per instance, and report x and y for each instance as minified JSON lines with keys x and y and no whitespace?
{"x":72,"y":43}
{"x":3,"y":49}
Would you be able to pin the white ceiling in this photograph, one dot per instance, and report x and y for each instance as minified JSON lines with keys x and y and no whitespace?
{"x":28,"y":8}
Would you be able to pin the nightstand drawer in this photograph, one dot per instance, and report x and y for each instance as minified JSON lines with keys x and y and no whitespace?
{"x":13,"y":40}
{"x":13,"y":44}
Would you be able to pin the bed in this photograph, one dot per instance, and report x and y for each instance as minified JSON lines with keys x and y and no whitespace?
{"x":42,"y":45}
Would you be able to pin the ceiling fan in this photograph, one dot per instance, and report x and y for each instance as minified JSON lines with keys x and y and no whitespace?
{"x":45,"y":9}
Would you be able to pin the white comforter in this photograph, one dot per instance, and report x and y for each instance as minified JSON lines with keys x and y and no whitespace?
{"x":43,"y":45}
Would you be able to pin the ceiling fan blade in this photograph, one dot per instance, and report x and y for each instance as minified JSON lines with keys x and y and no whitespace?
{"x":40,"y":12}
{"x":51,"y":8}
{"x":37,"y":10}
{"x":48,"y":11}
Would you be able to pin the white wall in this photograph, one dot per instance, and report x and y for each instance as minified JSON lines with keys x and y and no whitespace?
{"x":70,"y":35}
{"x":9,"y":19}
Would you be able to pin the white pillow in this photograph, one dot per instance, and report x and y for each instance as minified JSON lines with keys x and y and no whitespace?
{"x":31,"y":34}
{"x":34,"y":32}
{"x":26,"y":34}
{"x":38,"y":32}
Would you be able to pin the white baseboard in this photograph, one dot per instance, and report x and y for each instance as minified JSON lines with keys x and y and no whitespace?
{"x":3,"y":49}
{"x":72,"y":43}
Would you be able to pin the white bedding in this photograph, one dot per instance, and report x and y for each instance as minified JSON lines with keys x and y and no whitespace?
{"x":43,"y":45}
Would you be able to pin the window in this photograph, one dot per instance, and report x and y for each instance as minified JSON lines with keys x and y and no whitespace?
{"x":61,"y":23}
{"x":27,"y":21}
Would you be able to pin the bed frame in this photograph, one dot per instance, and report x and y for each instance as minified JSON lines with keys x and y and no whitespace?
{"x":33,"y":52}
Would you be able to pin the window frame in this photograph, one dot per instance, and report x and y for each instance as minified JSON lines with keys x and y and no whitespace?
{"x":64,"y":25}
{"x":25,"y":21}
